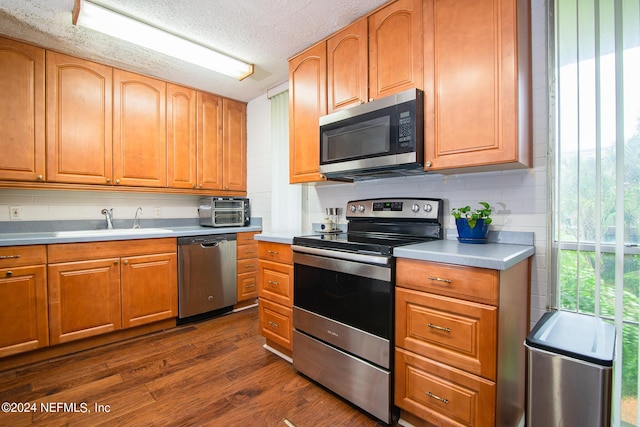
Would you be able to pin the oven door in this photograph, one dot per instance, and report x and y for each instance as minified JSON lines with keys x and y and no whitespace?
{"x":347,"y":303}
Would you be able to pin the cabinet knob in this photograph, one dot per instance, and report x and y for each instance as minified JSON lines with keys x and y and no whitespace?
{"x":427,"y":164}
{"x":125,"y":262}
{"x":200,"y":185}
{"x":370,"y":99}
{"x":118,"y":181}
{"x":9,"y":273}
{"x":39,"y":177}
{"x":193,"y":186}
{"x":115,"y":262}
{"x":108,"y":180}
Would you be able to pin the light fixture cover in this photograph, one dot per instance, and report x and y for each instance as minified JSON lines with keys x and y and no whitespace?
{"x":106,"y":21}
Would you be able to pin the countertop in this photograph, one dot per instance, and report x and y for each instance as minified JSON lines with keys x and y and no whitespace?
{"x":50,"y":237}
{"x":496,"y":256}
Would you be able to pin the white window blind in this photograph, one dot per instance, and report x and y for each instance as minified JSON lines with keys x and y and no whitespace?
{"x":596,"y":175}
{"x":286,"y":199}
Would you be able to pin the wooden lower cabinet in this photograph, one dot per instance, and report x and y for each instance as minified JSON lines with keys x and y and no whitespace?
{"x":247,"y":255}
{"x":275,"y":291}
{"x":133,"y":283}
{"x":459,"y":333}
{"x":23,"y":299}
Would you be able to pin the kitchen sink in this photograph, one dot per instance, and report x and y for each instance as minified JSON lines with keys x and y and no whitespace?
{"x":112,"y":232}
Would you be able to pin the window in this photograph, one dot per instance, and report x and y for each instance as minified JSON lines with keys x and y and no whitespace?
{"x":596,"y":203}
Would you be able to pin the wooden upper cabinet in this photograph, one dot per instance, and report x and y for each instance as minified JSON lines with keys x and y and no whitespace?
{"x":22,"y":105}
{"x":396,"y":48}
{"x":307,"y":102}
{"x":348,"y":67}
{"x":476,"y":83}
{"x":210,"y":143}
{"x":235,"y":145}
{"x":79,"y":120}
{"x":139,"y":130}
{"x":181,"y":137}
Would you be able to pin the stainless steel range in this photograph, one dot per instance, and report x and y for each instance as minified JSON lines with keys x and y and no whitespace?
{"x":343,"y":309}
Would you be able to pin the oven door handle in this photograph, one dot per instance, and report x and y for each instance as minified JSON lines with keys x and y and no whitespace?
{"x":349,"y":256}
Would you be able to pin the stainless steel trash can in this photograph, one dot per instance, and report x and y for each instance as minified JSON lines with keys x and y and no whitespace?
{"x":569,"y":371}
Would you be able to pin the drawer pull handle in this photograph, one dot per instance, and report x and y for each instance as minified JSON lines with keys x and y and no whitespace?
{"x":249,"y":266}
{"x":253,"y":285}
{"x":9,"y":256}
{"x":9,"y":273}
{"x":441,"y":399}
{"x":273,"y":283}
{"x":273,"y":324}
{"x":249,"y":252}
{"x":272,"y":252}
{"x":438,"y":279}
{"x":440,"y":328}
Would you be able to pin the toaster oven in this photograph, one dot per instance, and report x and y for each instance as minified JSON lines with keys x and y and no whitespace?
{"x":224,"y":212}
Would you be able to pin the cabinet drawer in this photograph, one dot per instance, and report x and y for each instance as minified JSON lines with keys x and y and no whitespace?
{"x":247,"y":265}
{"x":246,"y":238}
{"x":277,"y":252}
{"x":442,"y":395}
{"x":459,"y":333}
{"x":276,"y":323}
{"x":247,"y":286}
{"x":247,"y":251}
{"x":276,"y":282}
{"x":15,"y":256}
{"x":469,"y":283}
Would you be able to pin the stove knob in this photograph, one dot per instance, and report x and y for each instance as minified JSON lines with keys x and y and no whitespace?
{"x":428,"y":208}
{"x":415,"y":208}
{"x":352,"y":208}
{"x":361,"y":208}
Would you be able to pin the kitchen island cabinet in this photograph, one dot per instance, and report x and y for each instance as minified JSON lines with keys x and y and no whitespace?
{"x":275,"y":291}
{"x":128,"y":284}
{"x":23,"y":299}
{"x":459,"y":358}
{"x":22,"y":111}
{"x":79,"y":120}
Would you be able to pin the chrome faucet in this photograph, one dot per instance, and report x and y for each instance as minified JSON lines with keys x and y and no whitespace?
{"x":108,"y":213}
{"x":135,"y":219}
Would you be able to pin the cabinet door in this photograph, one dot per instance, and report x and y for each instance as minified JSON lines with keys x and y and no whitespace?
{"x":348,"y":67}
{"x":307,"y":102}
{"x":139,"y":130}
{"x":210,"y":141}
{"x":181,"y":137}
{"x":23,"y":310}
{"x":235,"y":145}
{"x":79,"y":120}
{"x":22,"y":140}
{"x":471,"y":84}
{"x":84,"y":299}
{"x":149,"y":289}
{"x":396,"y":49}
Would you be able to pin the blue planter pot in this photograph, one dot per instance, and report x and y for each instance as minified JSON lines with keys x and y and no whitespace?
{"x":477,"y":234}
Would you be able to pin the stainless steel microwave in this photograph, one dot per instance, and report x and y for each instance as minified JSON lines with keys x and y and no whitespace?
{"x":224,"y":212}
{"x":381,"y":138}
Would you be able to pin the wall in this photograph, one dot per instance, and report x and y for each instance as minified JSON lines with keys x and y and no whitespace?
{"x":518,"y":197}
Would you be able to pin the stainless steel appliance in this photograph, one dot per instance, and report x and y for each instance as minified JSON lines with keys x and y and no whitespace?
{"x":224,"y":212}
{"x":206,"y":274}
{"x":343,"y":307}
{"x":379,"y":139}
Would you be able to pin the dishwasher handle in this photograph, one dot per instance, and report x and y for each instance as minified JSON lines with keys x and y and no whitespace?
{"x":211,"y":244}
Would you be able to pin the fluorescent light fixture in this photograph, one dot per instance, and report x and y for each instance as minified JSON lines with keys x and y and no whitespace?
{"x":107,"y":21}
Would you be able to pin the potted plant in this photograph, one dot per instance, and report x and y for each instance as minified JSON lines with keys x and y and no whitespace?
{"x":473,"y":225}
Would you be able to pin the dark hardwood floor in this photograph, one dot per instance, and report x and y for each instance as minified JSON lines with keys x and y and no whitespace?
{"x":212,"y":373}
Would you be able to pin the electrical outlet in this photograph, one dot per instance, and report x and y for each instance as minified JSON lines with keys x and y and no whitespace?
{"x":157,"y":212}
{"x":15,"y":213}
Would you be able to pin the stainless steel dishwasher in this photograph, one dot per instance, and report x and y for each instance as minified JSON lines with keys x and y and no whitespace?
{"x":207,"y":274}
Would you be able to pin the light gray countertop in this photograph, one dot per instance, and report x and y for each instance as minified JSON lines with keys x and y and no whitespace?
{"x":20,"y":238}
{"x":497,"y":256}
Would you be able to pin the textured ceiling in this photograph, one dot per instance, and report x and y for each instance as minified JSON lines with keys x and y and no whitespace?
{"x":264,"y":32}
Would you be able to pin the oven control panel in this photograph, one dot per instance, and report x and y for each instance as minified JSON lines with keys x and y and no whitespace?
{"x":397,"y":208}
